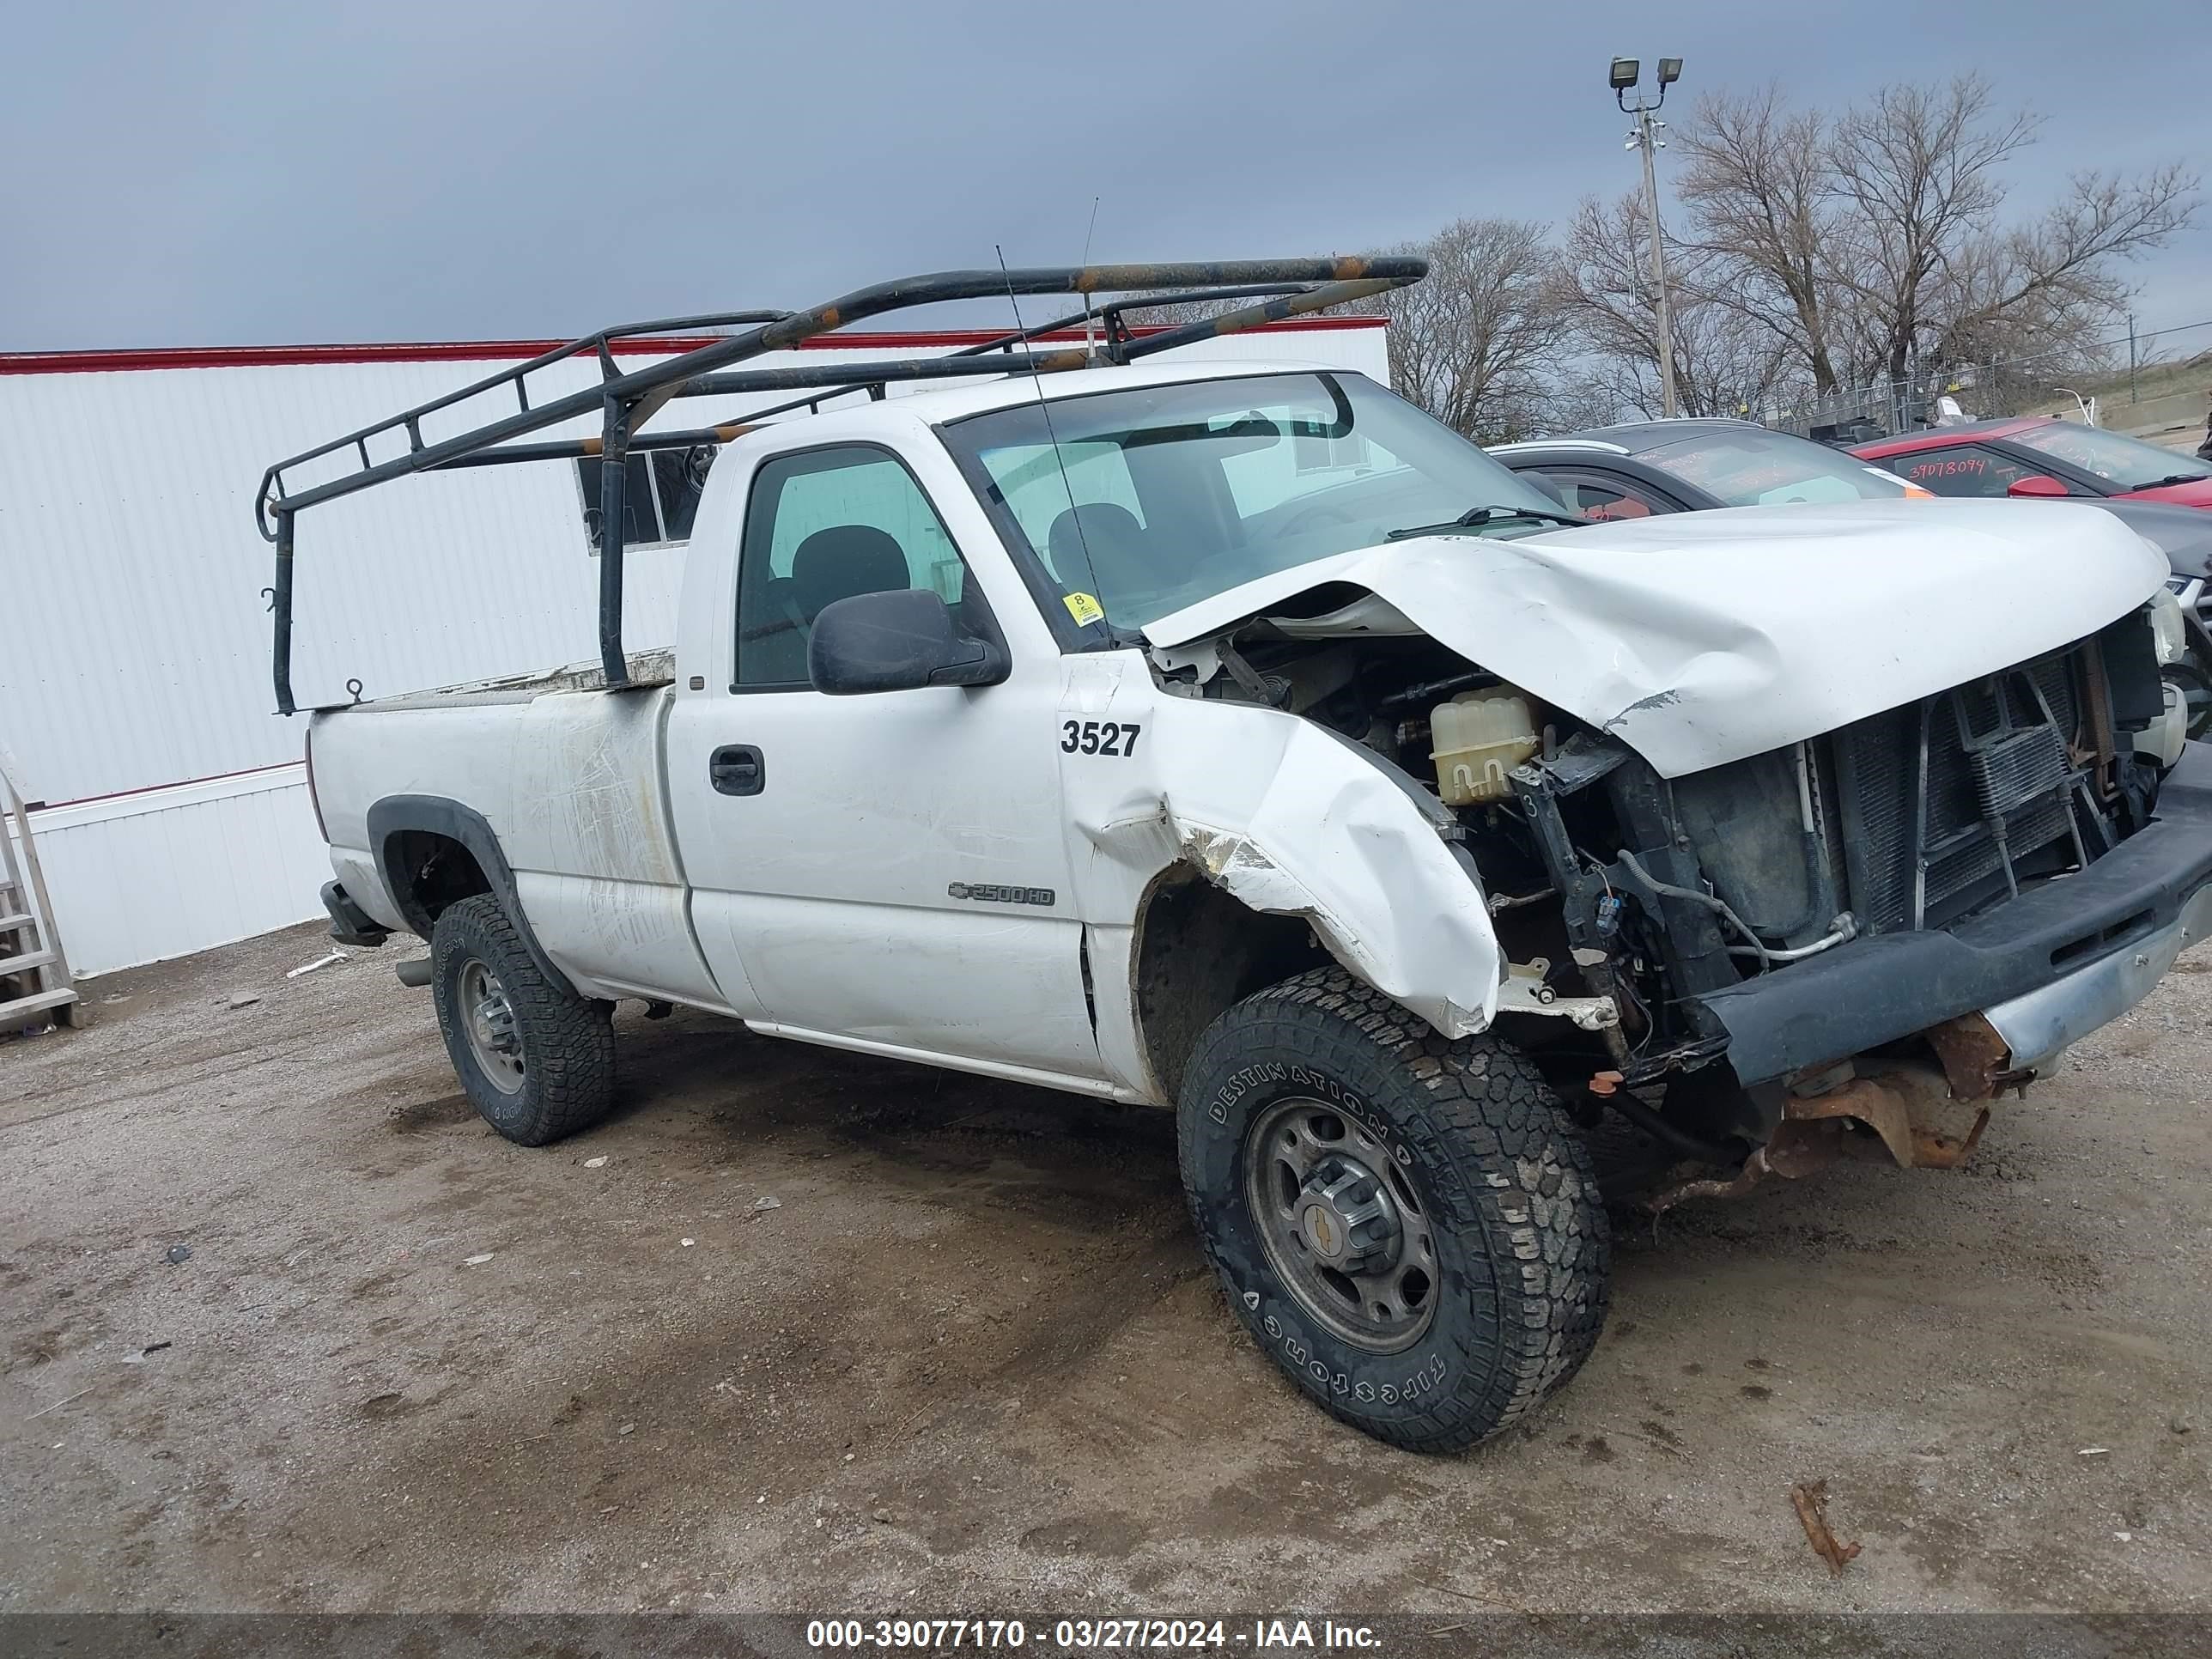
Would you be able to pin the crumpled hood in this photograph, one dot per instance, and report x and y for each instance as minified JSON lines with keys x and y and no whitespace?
{"x":1702,"y":638}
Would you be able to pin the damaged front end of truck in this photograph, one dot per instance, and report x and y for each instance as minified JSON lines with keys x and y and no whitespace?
{"x":1794,"y":843}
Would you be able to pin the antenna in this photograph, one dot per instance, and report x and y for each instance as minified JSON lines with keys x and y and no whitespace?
{"x":1044,"y":409}
{"x":1090,"y":315}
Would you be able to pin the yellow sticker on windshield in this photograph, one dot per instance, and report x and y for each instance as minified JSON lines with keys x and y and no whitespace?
{"x":1084,"y":609}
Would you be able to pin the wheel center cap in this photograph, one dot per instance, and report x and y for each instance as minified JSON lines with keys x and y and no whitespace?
{"x":1347,"y":1218}
{"x":497,"y":1015}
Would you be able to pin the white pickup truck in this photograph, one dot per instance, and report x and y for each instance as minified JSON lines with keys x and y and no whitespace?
{"x":1236,"y":739}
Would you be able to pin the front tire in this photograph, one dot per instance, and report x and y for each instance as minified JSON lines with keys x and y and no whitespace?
{"x":1409,"y":1226}
{"x":537,"y":1062}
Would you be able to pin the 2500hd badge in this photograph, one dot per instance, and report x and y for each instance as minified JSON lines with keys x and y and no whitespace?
{"x":983,"y":893}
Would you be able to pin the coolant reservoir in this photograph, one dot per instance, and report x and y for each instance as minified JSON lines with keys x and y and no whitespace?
{"x":1479,"y":737}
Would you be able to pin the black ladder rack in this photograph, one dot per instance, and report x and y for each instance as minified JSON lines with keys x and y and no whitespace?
{"x":624,"y":402}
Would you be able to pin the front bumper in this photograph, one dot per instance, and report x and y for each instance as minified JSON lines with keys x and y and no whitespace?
{"x":2037,"y":1027}
{"x":2045,"y":968}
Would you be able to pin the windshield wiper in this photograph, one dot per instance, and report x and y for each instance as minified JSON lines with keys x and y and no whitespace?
{"x":2171,"y":478}
{"x":1475,"y":517}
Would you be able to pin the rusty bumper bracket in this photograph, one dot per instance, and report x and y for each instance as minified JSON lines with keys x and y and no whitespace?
{"x":1977,"y":1062}
{"x":1920,"y":1116}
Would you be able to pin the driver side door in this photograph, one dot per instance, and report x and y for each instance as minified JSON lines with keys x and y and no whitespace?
{"x":883,"y":872}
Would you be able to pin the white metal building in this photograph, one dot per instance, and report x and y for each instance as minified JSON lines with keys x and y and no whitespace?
{"x":135,"y":689}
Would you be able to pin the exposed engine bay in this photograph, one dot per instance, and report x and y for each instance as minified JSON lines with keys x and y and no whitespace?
{"x":1634,"y":903}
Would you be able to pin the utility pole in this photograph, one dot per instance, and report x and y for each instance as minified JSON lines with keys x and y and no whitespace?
{"x":1658,"y":269}
{"x":1626,"y":73}
{"x":2133,"y":396}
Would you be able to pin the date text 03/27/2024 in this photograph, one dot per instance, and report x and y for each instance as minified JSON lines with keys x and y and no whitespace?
{"x":1088,"y":1635}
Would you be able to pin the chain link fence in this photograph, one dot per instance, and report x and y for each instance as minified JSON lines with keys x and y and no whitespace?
{"x":2111,"y":372}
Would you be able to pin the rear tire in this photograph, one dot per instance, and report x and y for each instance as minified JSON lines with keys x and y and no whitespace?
{"x":536,"y":1061}
{"x":1322,"y":1128}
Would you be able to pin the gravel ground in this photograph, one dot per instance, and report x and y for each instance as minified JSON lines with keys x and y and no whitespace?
{"x":801,"y":1330}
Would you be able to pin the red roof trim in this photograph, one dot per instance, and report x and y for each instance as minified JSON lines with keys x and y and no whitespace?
{"x":152,"y":788}
{"x":93,"y":362}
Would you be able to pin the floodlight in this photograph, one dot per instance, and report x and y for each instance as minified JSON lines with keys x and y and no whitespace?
{"x":1625,"y":71}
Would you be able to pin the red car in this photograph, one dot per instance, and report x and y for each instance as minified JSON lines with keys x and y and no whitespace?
{"x":2041,"y":457}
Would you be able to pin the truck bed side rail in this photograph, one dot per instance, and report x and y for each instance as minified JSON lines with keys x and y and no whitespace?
{"x":624,"y":402}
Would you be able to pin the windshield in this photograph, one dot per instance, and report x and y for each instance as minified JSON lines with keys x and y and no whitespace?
{"x":2125,"y":463}
{"x":1749,"y":466}
{"x":1160,"y":496}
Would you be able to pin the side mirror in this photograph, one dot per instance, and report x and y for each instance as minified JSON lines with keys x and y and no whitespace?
{"x":897,"y":641}
{"x":2036,"y":486}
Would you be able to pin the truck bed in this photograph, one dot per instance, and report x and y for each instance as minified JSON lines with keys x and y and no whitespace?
{"x":647,"y":669}
{"x":571,"y":786}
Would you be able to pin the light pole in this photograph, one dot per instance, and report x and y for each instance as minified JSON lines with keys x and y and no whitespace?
{"x":1626,"y":73}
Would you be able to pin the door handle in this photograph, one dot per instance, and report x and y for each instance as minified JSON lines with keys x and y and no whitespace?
{"x":736,"y":768}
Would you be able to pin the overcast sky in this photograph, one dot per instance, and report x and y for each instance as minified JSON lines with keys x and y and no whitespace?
{"x":203,"y":172}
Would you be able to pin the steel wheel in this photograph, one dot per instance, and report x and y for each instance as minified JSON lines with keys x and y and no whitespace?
{"x":488,"y":1021}
{"x":1342,"y":1225}
{"x":535,"y":1060}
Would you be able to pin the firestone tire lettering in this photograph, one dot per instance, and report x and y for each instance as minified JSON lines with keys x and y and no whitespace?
{"x":1522,"y":1253}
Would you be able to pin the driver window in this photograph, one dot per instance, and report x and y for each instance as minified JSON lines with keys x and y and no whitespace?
{"x":824,"y":525}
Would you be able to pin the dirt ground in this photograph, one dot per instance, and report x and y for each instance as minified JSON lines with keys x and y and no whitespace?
{"x":968,"y":1357}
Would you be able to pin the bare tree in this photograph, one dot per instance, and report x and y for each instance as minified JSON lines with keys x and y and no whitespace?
{"x":1598,"y":392}
{"x":1917,"y":169}
{"x":1601,"y":281}
{"x":1876,"y":242}
{"x":1477,"y":341}
{"x":1763,"y":201}
{"x":2051,"y":282}
{"x":1811,"y":252}
{"x":1728,"y":355}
